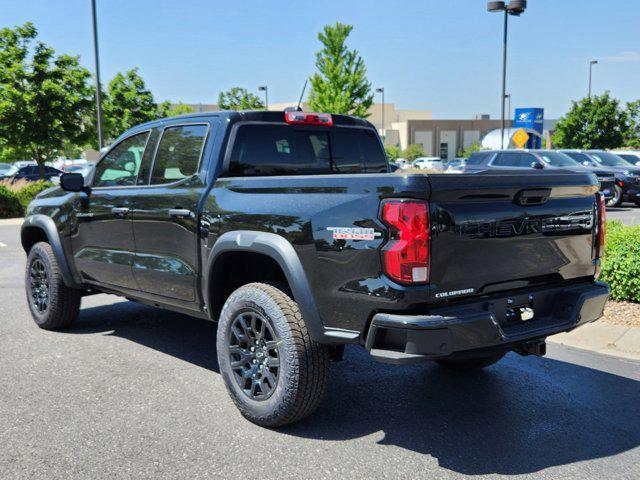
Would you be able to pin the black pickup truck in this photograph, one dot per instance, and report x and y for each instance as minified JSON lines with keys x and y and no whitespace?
{"x":288,"y":229}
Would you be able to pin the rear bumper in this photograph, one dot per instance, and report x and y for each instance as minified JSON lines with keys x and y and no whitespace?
{"x":458,"y":330}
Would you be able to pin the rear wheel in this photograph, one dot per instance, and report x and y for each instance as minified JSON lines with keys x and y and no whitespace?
{"x":471,"y":364}
{"x":274,"y":372}
{"x":616,"y":199}
{"x":53,"y":305}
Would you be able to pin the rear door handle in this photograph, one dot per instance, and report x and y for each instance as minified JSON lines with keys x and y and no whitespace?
{"x":179,"y":212}
{"x":120,"y":210}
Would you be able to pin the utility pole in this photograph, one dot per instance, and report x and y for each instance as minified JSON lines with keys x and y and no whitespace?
{"x":591,"y":64}
{"x":515,"y":8}
{"x":97,"y":76}
{"x":381,"y":90}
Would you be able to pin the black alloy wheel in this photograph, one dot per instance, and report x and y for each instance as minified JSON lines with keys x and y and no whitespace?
{"x":253,"y":355}
{"x":39,"y":285}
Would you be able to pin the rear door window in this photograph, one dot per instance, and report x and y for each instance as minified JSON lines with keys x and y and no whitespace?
{"x":178,"y":154}
{"x":263,"y":149}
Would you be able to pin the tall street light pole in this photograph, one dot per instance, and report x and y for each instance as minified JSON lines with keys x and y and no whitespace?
{"x":263,"y":88}
{"x":381,"y":90}
{"x":591,"y":64}
{"x":98,"y":89}
{"x":516,"y":8}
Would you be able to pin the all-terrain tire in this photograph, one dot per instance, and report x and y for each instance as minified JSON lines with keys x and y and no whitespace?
{"x":304,"y":366}
{"x":471,"y":364}
{"x":61,"y":304}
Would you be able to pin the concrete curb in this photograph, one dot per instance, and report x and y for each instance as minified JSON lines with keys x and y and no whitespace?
{"x":614,"y":340}
{"x":11,"y":221}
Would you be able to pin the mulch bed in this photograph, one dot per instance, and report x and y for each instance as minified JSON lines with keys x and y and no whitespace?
{"x":622,"y":313}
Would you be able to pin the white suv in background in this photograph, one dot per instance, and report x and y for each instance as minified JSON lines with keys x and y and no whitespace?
{"x":429,"y":163}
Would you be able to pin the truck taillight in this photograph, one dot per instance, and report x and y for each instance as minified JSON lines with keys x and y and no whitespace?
{"x":405,"y":257}
{"x":308,"y":118}
{"x":602,"y":226}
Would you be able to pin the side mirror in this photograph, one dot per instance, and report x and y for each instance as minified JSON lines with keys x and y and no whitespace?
{"x":537,"y":165}
{"x":73,"y":182}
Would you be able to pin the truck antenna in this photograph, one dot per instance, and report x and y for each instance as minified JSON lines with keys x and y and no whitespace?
{"x":304,"y":87}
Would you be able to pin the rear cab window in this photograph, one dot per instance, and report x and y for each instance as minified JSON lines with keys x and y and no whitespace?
{"x":264,"y":149}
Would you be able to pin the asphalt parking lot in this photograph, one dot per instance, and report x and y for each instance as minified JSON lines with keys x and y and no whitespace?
{"x":133,"y":392}
{"x":627,"y":213}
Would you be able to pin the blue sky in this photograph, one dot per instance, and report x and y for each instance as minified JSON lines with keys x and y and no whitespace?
{"x":441,"y":55}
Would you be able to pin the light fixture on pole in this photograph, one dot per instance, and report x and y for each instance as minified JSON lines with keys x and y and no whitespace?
{"x":263,"y":88}
{"x":98,"y":89}
{"x":381,"y":90}
{"x":508,"y":96}
{"x":515,"y":8}
{"x":591,"y":64}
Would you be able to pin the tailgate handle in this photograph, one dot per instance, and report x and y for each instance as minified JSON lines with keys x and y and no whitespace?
{"x":536,"y":196}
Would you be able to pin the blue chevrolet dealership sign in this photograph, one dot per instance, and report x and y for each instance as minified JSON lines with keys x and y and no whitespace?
{"x":530,"y":118}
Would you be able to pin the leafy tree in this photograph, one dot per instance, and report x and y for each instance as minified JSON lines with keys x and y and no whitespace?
{"x":593,"y":122}
{"x":239,"y":99}
{"x":181,"y":109}
{"x":633,"y":134}
{"x":129,"y":102}
{"x":45,"y":99}
{"x":340,"y":85}
{"x":474,"y":147}
{"x":413,"y":151}
{"x":392,"y":151}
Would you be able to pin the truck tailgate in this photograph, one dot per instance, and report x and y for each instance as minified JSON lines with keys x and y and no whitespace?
{"x":504,"y":231}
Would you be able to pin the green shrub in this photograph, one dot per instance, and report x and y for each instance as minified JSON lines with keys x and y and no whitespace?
{"x":10,"y":206}
{"x":29,"y":191}
{"x":412,"y":152}
{"x":392,"y":152}
{"x":14,"y":197}
{"x":621,"y":263}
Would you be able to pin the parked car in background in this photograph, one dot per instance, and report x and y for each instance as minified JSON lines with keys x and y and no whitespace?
{"x":428,"y":163}
{"x":32,"y":173}
{"x":631,"y":156}
{"x":8,"y":172}
{"x":402,"y":163}
{"x":456,"y":165}
{"x":24,"y":163}
{"x":627,"y":183}
{"x":83,"y":170}
{"x":4,"y":168}
{"x":528,"y":160}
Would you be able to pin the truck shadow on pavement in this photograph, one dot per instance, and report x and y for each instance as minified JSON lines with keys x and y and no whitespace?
{"x":519,"y":416}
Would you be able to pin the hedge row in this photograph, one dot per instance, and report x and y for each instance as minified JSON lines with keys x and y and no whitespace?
{"x":621,"y":263}
{"x":14,"y":198}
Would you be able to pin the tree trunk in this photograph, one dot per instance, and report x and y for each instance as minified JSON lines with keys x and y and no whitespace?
{"x":40,"y":162}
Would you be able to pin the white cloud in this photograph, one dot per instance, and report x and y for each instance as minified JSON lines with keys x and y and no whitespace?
{"x":623,"y":57}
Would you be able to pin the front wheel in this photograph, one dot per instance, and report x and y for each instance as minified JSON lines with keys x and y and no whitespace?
{"x":471,"y":364}
{"x":274,"y":372}
{"x":53,"y":305}
{"x":616,"y":199}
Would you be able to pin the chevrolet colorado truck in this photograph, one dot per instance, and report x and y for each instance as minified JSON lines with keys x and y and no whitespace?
{"x":289,"y":231}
